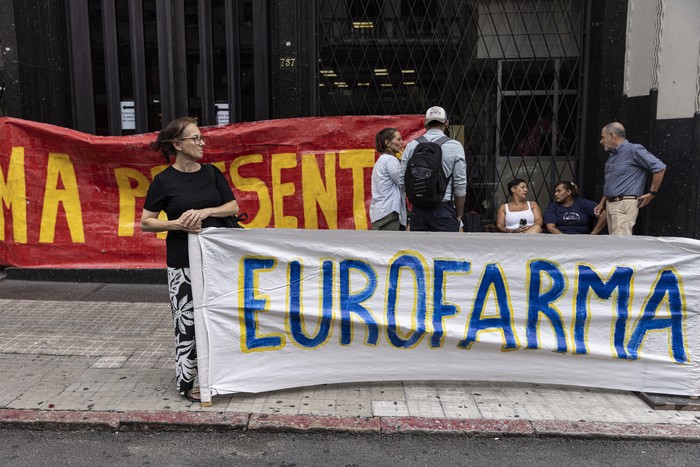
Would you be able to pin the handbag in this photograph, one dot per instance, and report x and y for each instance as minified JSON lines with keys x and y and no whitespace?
{"x":232,"y":221}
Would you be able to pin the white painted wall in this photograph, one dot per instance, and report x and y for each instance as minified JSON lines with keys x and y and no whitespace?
{"x":639,"y":53}
{"x":674,"y":65}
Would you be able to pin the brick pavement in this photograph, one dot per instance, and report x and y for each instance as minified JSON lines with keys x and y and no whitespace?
{"x":101,"y":356}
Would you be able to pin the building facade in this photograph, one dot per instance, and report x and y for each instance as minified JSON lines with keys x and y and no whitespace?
{"x":527,"y":84}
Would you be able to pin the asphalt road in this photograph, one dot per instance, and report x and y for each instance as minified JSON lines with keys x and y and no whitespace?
{"x":31,"y":448}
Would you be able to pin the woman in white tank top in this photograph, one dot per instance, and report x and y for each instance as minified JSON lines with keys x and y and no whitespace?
{"x":519,"y":215}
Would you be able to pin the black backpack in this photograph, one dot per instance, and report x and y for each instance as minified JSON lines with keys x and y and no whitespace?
{"x":424,"y":179}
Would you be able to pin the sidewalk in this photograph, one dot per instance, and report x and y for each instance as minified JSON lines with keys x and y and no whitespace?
{"x":100,"y":356}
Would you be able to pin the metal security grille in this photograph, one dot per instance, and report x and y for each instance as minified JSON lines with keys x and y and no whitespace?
{"x":510,"y":74}
{"x":137,"y":64}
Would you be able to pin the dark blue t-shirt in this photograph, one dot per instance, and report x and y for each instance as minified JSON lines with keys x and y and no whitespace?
{"x":576,"y":219}
{"x":175,"y":192}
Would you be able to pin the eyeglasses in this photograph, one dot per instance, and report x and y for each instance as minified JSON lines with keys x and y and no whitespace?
{"x":198,"y":139}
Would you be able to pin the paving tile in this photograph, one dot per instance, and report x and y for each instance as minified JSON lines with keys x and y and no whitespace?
{"x":422,"y":408}
{"x":110,"y":362}
{"x":421,"y":392}
{"x":252,"y":405}
{"x":119,"y":357}
{"x":389,"y":409}
{"x":387,"y":392}
{"x":459,"y":410}
{"x":283,"y":402}
{"x":350,"y":409}
{"x":318,"y":407}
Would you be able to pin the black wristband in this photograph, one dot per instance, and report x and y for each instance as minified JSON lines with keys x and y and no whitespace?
{"x":652,"y":193}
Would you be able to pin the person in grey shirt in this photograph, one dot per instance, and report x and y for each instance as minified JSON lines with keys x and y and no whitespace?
{"x":387,"y":211}
{"x":446,"y":217}
{"x":626,"y":172}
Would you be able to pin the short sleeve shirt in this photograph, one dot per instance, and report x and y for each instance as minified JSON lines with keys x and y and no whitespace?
{"x":576,"y":219}
{"x":175,"y":192}
{"x":627,"y":168}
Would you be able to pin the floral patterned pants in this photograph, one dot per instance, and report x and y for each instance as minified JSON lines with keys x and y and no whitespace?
{"x":180,"y":290}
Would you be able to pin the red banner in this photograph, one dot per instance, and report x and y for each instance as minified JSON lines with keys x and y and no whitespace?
{"x":74,"y":200}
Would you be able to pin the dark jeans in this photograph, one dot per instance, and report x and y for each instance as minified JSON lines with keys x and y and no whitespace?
{"x":443,"y":218}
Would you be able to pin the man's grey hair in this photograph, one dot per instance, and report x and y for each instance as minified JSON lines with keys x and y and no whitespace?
{"x":615,"y":128}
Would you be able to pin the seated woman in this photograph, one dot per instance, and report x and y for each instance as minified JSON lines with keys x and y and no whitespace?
{"x":519,"y":215}
{"x":571,"y":214}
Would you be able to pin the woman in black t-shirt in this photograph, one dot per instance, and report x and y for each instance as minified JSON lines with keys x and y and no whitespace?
{"x":193,"y":200}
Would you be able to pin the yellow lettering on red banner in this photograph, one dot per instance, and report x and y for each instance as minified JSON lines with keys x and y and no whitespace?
{"x":281,"y":190}
{"x":264,"y":214}
{"x":358,"y":160}
{"x":13,"y":192}
{"x":60,"y":165}
{"x":316,"y":192}
{"x":127,"y":198}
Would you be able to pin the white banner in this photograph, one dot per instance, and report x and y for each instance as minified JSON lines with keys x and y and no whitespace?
{"x":277,"y":308}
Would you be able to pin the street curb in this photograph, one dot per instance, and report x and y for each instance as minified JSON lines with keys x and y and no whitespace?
{"x":59,"y":420}
{"x":112,"y":276}
{"x":63,"y":420}
{"x":313,"y":423}
{"x":183,"y":421}
{"x":470,"y":427}
{"x":613,"y":430}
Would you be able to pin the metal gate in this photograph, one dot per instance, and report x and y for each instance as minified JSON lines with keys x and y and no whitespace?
{"x":510,"y":74}
{"x":138,"y":63}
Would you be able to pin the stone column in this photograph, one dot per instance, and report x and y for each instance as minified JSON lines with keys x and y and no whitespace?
{"x":293,"y":58}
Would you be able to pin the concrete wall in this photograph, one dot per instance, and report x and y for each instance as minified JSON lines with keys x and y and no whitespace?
{"x":644,"y":59}
{"x":9,"y":72}
{"x":663,"y":52}
{"x":35,"y":55}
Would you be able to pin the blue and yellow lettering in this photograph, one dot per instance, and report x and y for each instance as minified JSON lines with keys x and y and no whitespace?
{"x":442,"y":309}
{"x":667,"y":289}
{"x":417,"y":269}
{"x":493,"y":280}
{"x":296,"y":315}
{"x":620,"y":280}
{"x":541,"y":302}
{"x":250,"y":303}
{"x":351,"y":303}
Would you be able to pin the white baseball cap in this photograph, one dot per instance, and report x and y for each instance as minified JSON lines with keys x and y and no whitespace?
{"x":436,"y":114}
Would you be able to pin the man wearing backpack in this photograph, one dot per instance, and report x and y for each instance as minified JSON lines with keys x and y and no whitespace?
{"x":434,"y":175}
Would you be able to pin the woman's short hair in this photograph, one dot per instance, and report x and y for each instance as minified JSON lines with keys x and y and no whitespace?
{"x":513,"y":183}
{"x":571,"y":186}
{"x":164,"y":141}
{"x":381,"y":137}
